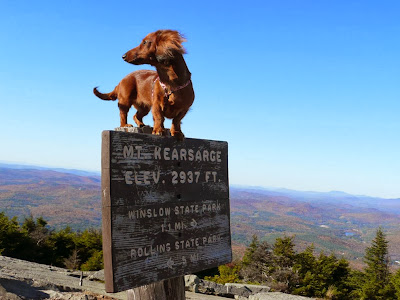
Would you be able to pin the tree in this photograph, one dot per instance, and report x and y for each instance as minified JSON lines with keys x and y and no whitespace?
{"x":283,"y":269}
{"x":38,"y":234}
{"x":272,"y":266}
{"x":35,"y":241}
{"x":63,"y":245}
{"x":228,"y":273}
{"x":89,"y":244}
{"x":10,"y":236}
{"x":305,"y":261}
{"x":333,"y":277}
{"x":248,"y":255}
{"x":73,"y":261}
{"x":36,"y":229}
{"x":257,"y":262}
{"x":396,"y":283}
{"x":305,"y":266}
{"x":284,"y":252}
{"x":322,"y":276}
{"x":95,"y":262}
{"x":377,"y":283}
{"x":284,"y":277}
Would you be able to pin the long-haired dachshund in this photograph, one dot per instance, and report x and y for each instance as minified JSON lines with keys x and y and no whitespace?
{"x":168,"y":92}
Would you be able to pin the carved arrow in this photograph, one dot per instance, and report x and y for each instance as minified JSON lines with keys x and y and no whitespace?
{"x":193,"y":223}
{"x":170,"y":263}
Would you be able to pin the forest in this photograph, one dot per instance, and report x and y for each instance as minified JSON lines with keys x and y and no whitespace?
{"x":306,"y":273}
{"x":276,"y":265}
{"x":34,"y":241}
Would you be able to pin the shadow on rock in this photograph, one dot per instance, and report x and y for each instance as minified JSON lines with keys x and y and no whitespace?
{"x":20,"y":289}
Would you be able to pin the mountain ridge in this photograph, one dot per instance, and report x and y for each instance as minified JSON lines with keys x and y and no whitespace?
{"x":35,"y":167}
{"x":86,"y":173}
{"x":333,"y":222}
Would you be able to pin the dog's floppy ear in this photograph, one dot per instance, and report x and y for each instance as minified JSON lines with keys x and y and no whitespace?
{"x":168,"y":43}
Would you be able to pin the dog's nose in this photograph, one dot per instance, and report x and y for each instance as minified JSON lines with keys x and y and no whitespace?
{"x":124,"y":56}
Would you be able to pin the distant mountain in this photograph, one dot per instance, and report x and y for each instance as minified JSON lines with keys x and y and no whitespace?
{"x":334,"y":221}
{"x":333,"y":197}
{"x":61,"y":198}
{"x":62,"y":170}
{"x":337,"y":221}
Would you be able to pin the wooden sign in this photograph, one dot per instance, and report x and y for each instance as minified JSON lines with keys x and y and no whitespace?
{"x":165,"y":207}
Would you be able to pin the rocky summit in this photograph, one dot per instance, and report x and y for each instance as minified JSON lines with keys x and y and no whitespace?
{"x":20,"y":280}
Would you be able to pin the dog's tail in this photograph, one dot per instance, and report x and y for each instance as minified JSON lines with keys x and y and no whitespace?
{"x":109,"y":96}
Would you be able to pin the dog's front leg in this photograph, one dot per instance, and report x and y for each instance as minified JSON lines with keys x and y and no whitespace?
{"x":158,"y":118}
{"x":176,"y":126}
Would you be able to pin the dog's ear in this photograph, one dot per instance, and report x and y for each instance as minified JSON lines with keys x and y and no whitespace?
{"x":168,"y":44}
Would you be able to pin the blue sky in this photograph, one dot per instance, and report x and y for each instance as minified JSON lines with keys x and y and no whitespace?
{"x":307,"y":93}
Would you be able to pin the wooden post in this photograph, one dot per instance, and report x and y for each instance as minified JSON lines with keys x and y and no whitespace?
{"x":169,"y":289}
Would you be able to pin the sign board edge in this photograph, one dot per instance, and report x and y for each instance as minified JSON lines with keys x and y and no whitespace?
{"x":106,"y":212}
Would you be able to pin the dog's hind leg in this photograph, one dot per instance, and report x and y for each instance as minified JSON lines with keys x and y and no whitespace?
{"x":141,"y":112}
{"x":123,"y":113}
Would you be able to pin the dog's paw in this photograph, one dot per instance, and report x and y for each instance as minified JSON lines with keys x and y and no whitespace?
{"x":178,"y":135}
{"x":127,"y":125}
{"x":159,"y":131}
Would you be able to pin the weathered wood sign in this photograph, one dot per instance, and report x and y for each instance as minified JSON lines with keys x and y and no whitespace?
{"x":165,"y":207}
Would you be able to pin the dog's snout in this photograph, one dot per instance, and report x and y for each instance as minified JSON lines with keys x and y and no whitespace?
{"x":124,"y":56}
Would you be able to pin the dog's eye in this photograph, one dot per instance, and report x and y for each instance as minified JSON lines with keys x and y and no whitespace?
{"x":144,"y":42}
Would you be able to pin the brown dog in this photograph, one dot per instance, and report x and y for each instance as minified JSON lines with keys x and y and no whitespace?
{"x":168,"y":92}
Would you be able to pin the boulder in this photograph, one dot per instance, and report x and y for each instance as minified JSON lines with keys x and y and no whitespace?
{"x":192,"y":283}
{"x":213,"y":288}
{"x":245,"y":290}
{"x":238,"y":290}
{"x":97,"y":276}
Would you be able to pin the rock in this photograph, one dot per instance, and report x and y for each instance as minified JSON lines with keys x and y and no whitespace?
{"x":192,"y":283}
{"x":245,"y":290}
{"x":144,"y":129}
{"x":97,"y":276}
{"x":230,"y":290}
{"x":207,"y":287}
{"x":54,"y":294}
{"x":6,"y":295}
{"x":276,"y":296}
{"x":27,"y":280}
{"x":21,"y":280}
{"x":212,"y":288}
{"x":194,"y":296}
{"x":240,"y":291}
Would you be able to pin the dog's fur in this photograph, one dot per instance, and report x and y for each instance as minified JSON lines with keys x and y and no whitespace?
{"x":168,"y":92}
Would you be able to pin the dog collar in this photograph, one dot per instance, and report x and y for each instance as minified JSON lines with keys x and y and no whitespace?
{"x":168,"y":93}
